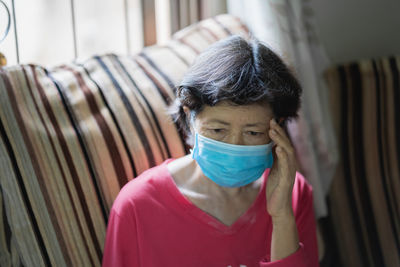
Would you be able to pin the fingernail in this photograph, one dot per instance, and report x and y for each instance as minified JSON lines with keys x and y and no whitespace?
{"x":273,"y":132}
{"x":273,"y":122}
{"x":279,"y":149}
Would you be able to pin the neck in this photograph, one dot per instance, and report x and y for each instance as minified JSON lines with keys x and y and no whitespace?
{"x":206,"y":184}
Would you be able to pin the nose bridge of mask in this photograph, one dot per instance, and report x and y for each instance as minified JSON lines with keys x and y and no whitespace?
{"x":231,"y":149}
{"x":191,"y":119}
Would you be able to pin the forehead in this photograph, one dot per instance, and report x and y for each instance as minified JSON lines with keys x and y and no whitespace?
{"x":230,"y":113}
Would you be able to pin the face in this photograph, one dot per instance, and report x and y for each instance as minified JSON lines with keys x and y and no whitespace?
{"x":239,"y":125}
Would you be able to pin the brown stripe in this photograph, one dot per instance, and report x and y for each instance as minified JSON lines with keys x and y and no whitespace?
{"x":129,"y":80}
{"x":41,"y":181}
{"x":390,"y":142}
{"x":132,"y":115}
{"x":6,"y":229}
{"x":114,"y":119}
{"x":395,"y":88}
{"x":69,"y":161}
{"x":226,"y":30}
{"x":168,"y":80}
{"x":104,"y":129}
{"x":38,"y":173}
{"x":182,"y":40}
{"x":201,"y":33}
{"x":188,"y":44}
{"x":84,"y":147}
{"x":161,"y":89}
{"x":243,"y":26}
{"x":157,"y":70}
{"x":359,"y":166}
{"x":345,"y":110}
{"x":178,"y":55}
{"x":380,"y":84}
{"x":25,"y":206}
{"x":213,"y":35}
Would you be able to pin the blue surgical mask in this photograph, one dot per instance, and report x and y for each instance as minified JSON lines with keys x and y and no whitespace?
{"x":231,"y":165}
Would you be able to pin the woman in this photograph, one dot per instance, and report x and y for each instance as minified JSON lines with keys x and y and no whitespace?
{"x":236,"y":200}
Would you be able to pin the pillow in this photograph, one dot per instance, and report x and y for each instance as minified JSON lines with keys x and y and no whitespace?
{"x":73,"y":135}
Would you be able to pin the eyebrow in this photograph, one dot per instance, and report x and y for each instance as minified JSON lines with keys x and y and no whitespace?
{"x":226,"y":123}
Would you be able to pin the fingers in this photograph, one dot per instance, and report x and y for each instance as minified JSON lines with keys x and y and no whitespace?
{"x":285,"y":167}
{"x":283,"y":158}
{"x":280,"y":138}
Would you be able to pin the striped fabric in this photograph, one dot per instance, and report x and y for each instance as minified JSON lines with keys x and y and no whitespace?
{"x":73,"y":135}
{"x":365,"y":194}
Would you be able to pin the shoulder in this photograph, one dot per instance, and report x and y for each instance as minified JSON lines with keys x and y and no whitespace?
{"x":142,"y":189}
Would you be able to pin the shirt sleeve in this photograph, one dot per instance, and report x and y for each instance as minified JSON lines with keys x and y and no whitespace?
{"x":307,"y":253}
{"x":121,"y":246}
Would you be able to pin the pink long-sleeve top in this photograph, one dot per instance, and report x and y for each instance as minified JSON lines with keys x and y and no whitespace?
{"x":153,"y":224}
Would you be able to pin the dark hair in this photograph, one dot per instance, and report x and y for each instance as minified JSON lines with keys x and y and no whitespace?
{"x":239,"y":71}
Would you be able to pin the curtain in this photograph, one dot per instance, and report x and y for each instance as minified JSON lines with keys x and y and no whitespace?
{"x":365,"y":194}
{"x":287,"y":28}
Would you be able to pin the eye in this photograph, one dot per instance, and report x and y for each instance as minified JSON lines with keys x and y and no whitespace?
{"x":252,"y":133}
{"x":216,"y":130}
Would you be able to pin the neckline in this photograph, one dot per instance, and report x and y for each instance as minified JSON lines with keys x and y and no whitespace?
{"x":246,"y":219}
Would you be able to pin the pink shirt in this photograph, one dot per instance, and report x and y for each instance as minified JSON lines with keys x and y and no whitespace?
{"x":153,"y":224}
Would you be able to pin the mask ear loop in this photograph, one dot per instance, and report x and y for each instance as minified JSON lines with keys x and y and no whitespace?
{"x":191,"y":121}
{"x":192,"y":118}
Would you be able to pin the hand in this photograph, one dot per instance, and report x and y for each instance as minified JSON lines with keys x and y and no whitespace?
{"x":282,"y":175}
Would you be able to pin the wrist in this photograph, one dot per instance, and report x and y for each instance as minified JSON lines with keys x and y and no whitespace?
{"x":285,"y":238}
{"x":283,"y":219}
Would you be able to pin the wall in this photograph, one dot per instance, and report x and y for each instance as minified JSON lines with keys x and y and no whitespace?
{"x":357,"y":29}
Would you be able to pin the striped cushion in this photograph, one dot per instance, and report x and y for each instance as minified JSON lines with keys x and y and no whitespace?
{"x":73,"y":135}
{"x":365,"y":192}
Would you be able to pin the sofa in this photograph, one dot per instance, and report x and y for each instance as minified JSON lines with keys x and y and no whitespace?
{"x":72,"y":135}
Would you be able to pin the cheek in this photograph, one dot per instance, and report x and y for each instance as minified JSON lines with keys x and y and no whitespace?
{"x":257,"y":141}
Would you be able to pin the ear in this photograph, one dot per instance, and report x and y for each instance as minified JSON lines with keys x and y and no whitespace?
{"x":281,"y":121}
{"x":186,"y":110}
{"x":187,"y":113}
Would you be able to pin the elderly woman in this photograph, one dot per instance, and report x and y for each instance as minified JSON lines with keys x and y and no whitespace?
{"x":237,"y":199}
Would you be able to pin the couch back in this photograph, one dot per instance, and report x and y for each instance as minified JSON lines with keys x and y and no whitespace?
{"x":73,"y":135}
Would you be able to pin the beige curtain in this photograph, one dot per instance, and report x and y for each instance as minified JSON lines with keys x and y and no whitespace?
{"x":365,"y":193}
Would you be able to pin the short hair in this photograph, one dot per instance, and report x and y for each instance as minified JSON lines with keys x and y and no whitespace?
{"x":242,"y":72}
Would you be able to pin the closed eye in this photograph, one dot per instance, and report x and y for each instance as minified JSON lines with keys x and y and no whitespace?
{"x":252,"y":133}
{"x":217,"y":130}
